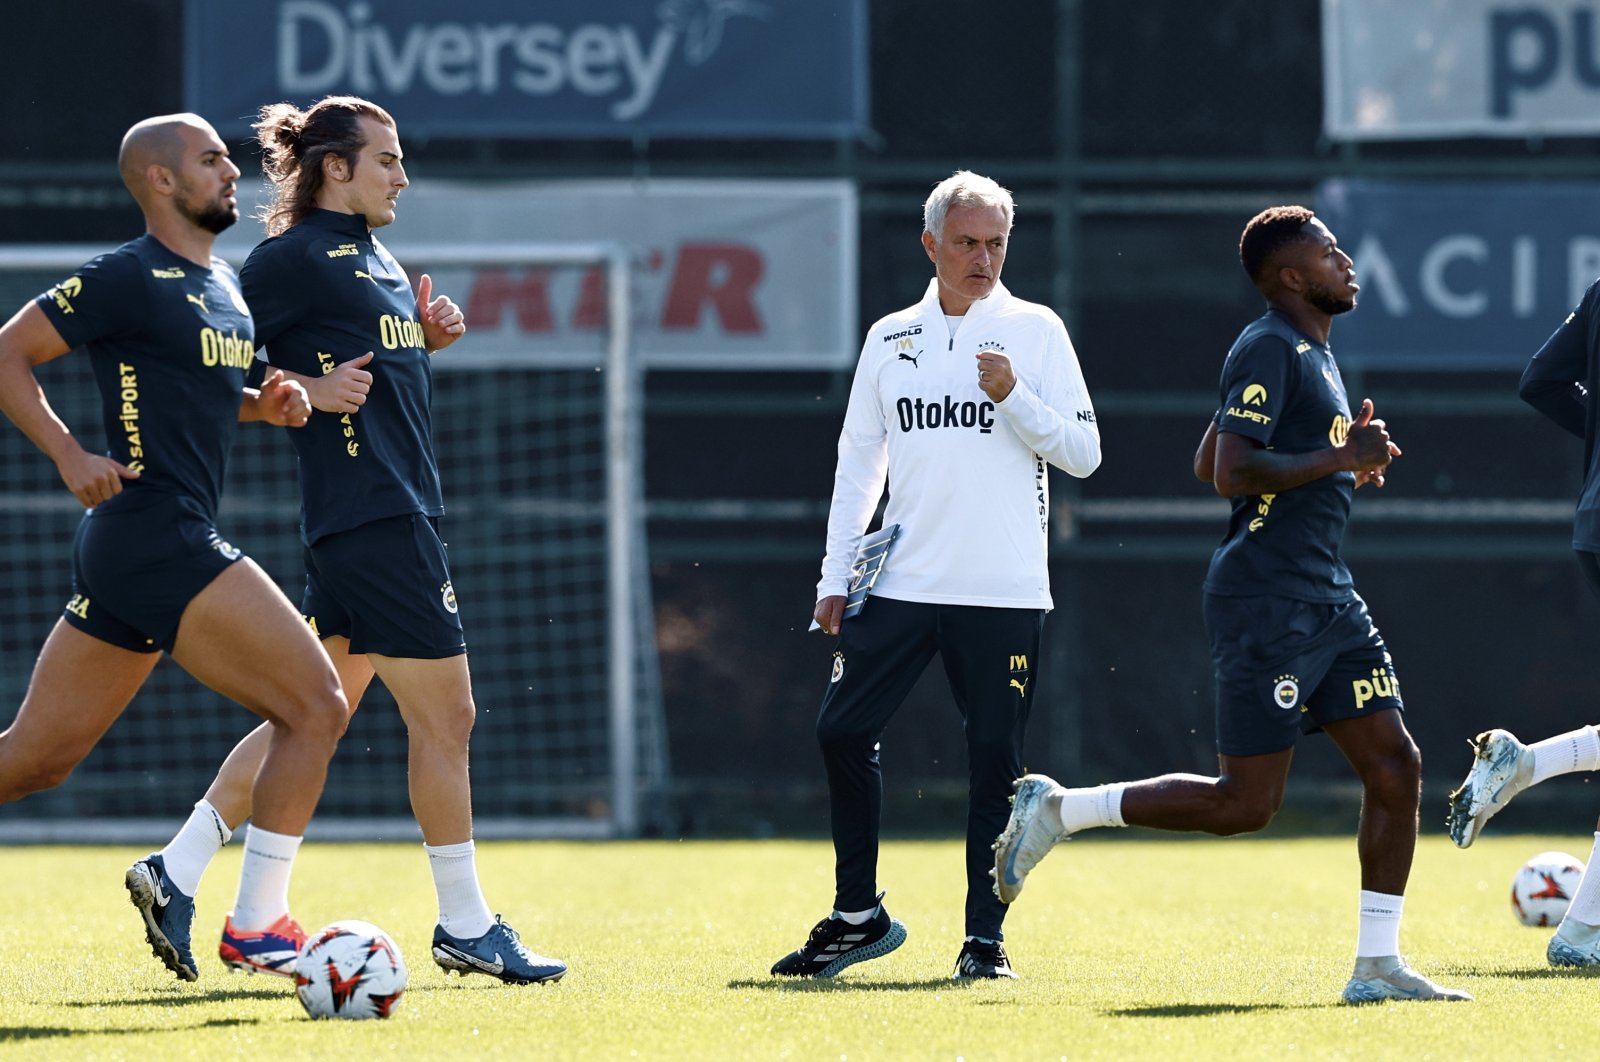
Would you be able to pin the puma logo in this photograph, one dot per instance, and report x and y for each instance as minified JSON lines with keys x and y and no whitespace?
{"x":368,"y":276}
{"x":198,"y":300}
{"x":1022,"y":687}
{"x":912,"y":358}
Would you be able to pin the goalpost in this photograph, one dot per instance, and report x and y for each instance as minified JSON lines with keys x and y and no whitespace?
{"x":537,"y":422}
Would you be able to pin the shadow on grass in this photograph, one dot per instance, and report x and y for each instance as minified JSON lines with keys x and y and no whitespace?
{"x":1201,"y":1010}
{"x":216,"y":995}
{"x":1541,"y":973}
{"x":19,"y":1034}
{"x":831,"y":984}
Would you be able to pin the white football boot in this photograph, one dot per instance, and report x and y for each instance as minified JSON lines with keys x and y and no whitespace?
{"x":1565,"y":952}
{"x":1379,"y":978}
{"x":1033,"y":829}
{"x":1502,"y":770}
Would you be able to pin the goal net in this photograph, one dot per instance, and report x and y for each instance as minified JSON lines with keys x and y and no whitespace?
{"x":537,"y":420}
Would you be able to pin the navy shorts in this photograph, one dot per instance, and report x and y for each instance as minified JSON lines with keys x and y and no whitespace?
{"x":386,"y":586}
{"x":136,"y":566}
{"x":1286,"y":667}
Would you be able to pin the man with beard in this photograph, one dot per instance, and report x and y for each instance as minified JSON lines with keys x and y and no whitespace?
{"x":170,"y":340}
{"x":1294,"y":648}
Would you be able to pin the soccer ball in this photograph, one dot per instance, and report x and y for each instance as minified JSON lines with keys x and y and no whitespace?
{"x":349,"y":969}
{"x":1543,"y":888}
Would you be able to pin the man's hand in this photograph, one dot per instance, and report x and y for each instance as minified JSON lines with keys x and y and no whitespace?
{"x":995,"y":375}
{"x":442,"y":320}
{"x":829,"y":613}
{"x":1370,"y":447}
{"x":283,"y":401}
{"x":344,"y":390}
{"x":93,"y":478}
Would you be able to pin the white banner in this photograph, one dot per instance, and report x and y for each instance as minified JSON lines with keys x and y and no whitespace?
{"x":1396,"y":69}
{"x":727,"y":274}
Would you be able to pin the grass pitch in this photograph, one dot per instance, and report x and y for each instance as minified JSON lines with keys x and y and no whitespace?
{"x":1130,"y":945}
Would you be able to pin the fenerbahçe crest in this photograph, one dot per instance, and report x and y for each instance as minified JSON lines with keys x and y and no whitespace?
{"x":447,"y":596}
{"x":1286,"y":692}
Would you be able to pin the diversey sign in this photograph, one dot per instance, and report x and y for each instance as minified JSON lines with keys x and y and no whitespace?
{"x":1458,"y":275}
{"x":541,"y":67}
{"x":1442,"y":68}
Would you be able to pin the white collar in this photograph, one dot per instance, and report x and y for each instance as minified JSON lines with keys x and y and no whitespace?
{"x":985,"y":306}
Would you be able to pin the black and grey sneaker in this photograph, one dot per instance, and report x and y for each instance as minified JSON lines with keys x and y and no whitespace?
{"x":982,"y":959}
{"x":835,"y":944}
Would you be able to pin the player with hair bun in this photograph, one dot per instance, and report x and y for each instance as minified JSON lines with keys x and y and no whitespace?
{"x":335,"y":311}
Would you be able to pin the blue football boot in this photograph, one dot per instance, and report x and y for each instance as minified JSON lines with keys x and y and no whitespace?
{"x":167,"y":913}
{"x":498,"y":953}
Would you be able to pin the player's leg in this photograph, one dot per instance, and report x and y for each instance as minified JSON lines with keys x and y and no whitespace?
{"x":1577,"y":939}
{"x":1503,"y":766}
{"x":177,"y":869}
{"x":877,"y":659}
{"x":1385,"y":759}
{"x":435,"y":700}
{"x":80,"y":685}
{"x":991,"y":658}
{"x":1358,"y":705}
{"x":1242,"y":798}
{"x":1255,"y":644}
{"x":1389,"y":767}
{"x":229,"y":793}
{"x":242,"y":638}
{"x":386,"y":585}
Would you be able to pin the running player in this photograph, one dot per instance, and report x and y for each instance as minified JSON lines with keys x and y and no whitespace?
{"x":1294,"y":647}
{"x":959,"y":402}
{"x":335,"y":310}
{"x":1560,"y":382}
{"x":170,"y":341}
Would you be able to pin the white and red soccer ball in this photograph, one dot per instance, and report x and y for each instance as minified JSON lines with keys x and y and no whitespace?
{"x":1543,"y":888}
{"x":350,"y":969}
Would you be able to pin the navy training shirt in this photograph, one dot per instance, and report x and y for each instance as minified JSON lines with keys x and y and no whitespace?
{"x":1560,"y":382}
{"x":323,"y":293}
{"x":1282,"y":389}
{"x":170,"y":343}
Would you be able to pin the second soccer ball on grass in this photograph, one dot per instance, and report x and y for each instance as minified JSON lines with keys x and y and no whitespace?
{"x":1542,"y":890}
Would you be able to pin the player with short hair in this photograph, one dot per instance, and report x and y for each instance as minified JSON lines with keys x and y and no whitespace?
{"x":1294,"y":647}
{"x":1560,"y":381}
{"x":959,"y":402}
{"x":336,"y":311}
{"x":170,"y":339}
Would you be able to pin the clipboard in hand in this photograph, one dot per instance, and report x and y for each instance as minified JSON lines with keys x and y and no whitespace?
{"x":871,"y":556}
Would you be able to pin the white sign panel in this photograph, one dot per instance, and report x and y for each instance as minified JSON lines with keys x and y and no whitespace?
{"x":1396,"y":69}
{"x":735,"y":275}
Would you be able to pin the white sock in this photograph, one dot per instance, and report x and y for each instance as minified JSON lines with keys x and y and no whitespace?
{"x":1100,"y":805}
{"x":463,"y":912}
{"x":857,"y":918}
{"x":264,"y":878}
{"x":189,"y":852}
{"x":1576,"y":750}
{"x":1380,"y":924}
{"x":1584,"y":915}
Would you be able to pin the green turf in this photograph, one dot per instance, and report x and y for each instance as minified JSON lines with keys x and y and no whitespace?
{"x":1129,"y":946}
